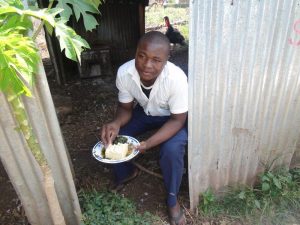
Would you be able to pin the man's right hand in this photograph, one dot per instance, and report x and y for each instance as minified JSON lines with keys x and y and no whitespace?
{"x":109,"y":132}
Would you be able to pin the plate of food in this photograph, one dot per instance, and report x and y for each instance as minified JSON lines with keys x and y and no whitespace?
{"x":122,"y":149}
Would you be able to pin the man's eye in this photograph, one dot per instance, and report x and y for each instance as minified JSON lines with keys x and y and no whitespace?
{"x":156,"y":61}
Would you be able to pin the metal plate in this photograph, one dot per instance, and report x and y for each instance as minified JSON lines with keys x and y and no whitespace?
{"x":98,"y":147}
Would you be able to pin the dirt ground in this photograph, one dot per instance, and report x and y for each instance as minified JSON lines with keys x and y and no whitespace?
{"x":83,"y":105}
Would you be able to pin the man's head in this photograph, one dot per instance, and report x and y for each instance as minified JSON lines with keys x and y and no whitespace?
{"x":151,"y":56}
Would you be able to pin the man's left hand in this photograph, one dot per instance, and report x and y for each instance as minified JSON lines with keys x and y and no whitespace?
{"x":142,"y":147}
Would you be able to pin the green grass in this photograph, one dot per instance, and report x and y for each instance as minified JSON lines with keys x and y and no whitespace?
{"x":274,"y":200}
{"x":184,"y":30}
{"x":155,"y":17}
{"x":103,"y":208}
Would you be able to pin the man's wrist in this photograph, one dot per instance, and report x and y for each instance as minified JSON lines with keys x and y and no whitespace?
{"x":117,"y":123}
{"x":148,"y":144}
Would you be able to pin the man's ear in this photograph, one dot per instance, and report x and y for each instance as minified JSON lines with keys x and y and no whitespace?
{"x":166,"y":62}
{"x":167,"y":59}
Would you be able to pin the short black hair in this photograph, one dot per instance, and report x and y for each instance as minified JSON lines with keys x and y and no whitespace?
{"x":155,"y":37}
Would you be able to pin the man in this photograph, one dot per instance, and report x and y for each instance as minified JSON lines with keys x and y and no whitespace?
{"x":161,"y":92}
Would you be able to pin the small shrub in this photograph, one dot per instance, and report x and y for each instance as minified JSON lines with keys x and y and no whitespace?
{"x":103,"y":208}
{"x":274,"y":200}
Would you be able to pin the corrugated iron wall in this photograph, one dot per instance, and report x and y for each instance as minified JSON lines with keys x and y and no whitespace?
{"x":119,"y":28}
{"x":23,"y":170}
{"x":244,"y":77}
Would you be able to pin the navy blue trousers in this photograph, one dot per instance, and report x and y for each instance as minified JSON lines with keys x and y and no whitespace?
{"x":171,"y":157}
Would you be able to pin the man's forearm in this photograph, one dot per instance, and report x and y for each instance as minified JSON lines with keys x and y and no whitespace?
{"x":123,"y":115}
{"x":168,"y":130}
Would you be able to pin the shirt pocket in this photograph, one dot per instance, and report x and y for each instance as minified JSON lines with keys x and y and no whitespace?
{"x":163,"y":104}
{"x":161,"y":99}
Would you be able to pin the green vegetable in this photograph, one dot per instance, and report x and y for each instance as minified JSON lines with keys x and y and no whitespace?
{"x":103,"y":152}
{"x":120,"y":139}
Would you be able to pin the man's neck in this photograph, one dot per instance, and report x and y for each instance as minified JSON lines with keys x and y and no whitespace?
{"x":148,"y":83}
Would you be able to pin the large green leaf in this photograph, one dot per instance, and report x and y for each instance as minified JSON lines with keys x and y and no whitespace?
{"x":69,"y":41}
{"x":82,"y":7}
{"x":13,"y":21}
{"x":15,"y":3}
{"x":47,"y":15}
{"x":18,"y":63}
{"x":18,"y":55}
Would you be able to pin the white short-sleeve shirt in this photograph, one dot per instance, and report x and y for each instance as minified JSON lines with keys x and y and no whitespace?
{"x":169,"y":93}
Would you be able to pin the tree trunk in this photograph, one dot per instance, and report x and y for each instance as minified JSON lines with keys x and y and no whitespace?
{"x":27,"y":131}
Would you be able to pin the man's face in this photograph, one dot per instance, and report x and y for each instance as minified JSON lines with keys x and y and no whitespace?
{"x":150,"y":59}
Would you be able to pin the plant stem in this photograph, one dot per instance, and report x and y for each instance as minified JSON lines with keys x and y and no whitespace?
{"x":38,"y":30}
{"x":24,"y":126}
{"x":147,"y":171}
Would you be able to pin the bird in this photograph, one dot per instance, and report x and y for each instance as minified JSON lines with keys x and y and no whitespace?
{"x":175,"y":37}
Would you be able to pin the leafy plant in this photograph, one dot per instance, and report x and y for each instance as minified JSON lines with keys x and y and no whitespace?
{"x":208,"y":199}
{"x":16,"y":43}
{"x":82,"y":8}
{"x":19,"y":59}
{"x":108,"y":208}
{"x":274,"y":200}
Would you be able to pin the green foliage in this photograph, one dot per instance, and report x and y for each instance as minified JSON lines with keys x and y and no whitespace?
{"x":9,"y":19}
{"x":155,"y":16}
{"x":108,"y":208}
{"x":47,"y":15}
{"x":69,"y":41}
{"x":16,"y":3}
{"x":208,"y":198}
{"x":19,"y":56}
{"x":82,"y":7}
{"x":184,"y":30}
{"x":274,"y":200}
{"x":18,"y":63}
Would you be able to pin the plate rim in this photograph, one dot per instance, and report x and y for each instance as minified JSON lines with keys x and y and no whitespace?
{"x":114,"y":161}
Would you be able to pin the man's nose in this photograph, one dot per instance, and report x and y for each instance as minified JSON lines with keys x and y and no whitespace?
{"x":148,"y":63}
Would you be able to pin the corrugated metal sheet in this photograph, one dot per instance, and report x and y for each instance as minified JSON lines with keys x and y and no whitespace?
{"x":119,"y":25}
{"x":23,"y":170}
{"x":119,"y":28}
{"x":244,"y":77}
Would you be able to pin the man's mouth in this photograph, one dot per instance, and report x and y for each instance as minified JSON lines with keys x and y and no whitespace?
{"x":147,"y":73}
